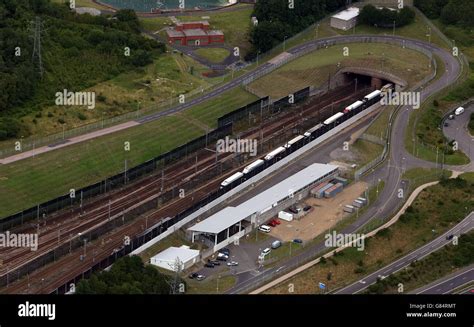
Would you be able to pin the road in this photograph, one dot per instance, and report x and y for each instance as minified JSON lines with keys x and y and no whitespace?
{"x":390,"y":172}
{"x":451,"y":64}
{"x":461,"y":228}
{"x":449,"y":283}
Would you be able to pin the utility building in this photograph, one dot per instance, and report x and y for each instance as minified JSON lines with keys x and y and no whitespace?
{"x":194,"y":34}
{"x":173,"y":257}
{"x":345,"y":19}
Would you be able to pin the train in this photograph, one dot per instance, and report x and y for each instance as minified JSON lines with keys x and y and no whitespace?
{"x":311,"y":134}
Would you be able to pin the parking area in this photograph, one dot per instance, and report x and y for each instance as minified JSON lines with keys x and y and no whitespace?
{"x":324,"y":214}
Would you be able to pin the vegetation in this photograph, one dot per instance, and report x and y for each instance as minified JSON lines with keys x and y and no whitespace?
{"x":435,"y":210}
{"x":451,"y":12}
{"x":215,"y":55}
{"x":385,"y":17}
{"x":277,"y":21}
{"x":77,"y":51}
{"x":128,"y":275}
{"x":429,"y":269}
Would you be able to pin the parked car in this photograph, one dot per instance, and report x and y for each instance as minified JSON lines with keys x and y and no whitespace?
{"x":193,"y":275}
{"x":276,"y":244}
{"x":214,"y":262}
{"x":298,"y":240}
{"x":264,"y":228}
{"x":266,"y":252}
{"x":209,"y":265}
{"x":232,"y":263}
{"x":200,"y":277}
{"x":272,"y":223}
{"x":449,"y":237}
{"x":222,"y":257}
{"x":307,"y":208}
{"x":446,"y":124}
{"x":225,"y":251}
{"x":451,"y":116}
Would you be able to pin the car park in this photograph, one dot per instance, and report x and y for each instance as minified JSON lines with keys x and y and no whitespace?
{"x":232,"y":263}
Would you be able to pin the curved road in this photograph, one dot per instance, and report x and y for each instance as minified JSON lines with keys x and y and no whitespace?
{"x":392,"y":169}
{"x":463,"y":227}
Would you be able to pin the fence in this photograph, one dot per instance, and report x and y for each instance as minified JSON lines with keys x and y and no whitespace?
{"x":115,"y":181}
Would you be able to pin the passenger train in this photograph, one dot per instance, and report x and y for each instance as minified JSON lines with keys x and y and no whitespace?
{"x":311,"y":134}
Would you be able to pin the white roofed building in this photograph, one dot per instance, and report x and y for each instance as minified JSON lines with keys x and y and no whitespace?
{"x":231,"y":223}
{"x":173,"y":257}
{"x":345,"y":19}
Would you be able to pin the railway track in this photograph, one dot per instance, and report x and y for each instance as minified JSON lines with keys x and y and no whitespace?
{"x":112,"y":207}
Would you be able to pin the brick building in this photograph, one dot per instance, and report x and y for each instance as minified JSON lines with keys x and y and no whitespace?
{"x":194,"y":34}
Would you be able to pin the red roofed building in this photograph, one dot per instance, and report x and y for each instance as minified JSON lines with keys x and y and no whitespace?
{"x":194,"y":34}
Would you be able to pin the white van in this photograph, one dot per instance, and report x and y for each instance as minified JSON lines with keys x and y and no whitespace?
{"x":265,"y":252}
{"x":459,"y":111}
{"x":264,"y":228}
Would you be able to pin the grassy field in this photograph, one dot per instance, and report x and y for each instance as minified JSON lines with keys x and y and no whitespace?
{"x":215,"y":55}
{"x":437,"y":208}
{"x":83,"y":3}
{"x":314,"y":68}
{"x":366,"y":151}
{"x":379,"y":126}
{"x":441,"y":263}
{"x":208,"y":112}
{"x":169,"y":76}
{"x":234,"y":24}
{"x":28,"y":182}
{"x":211,"y":285}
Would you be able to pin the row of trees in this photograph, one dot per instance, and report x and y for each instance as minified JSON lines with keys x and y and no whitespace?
{"x":278,"y":21}
{"x":78,"y":51}
{"x":451,"y":12}
{"x":385,"y":17}
{"x":128,"y":275}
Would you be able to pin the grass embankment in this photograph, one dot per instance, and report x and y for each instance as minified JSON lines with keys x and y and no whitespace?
{"x":314,"y":68}
{"x":435,"y":266}
{"x":437,"y":208}
{"x":28,"y":182}
{"x":214,"y":55}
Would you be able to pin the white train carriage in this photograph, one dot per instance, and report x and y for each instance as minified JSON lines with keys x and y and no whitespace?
{"x":293,"y":141}
{"x":354,"y":106}
{"x":254,"y":165}
{"x":333,"y":118}
{"x":310,"y":131}
{"x":274,"y":153}
{"x":232,"y":179}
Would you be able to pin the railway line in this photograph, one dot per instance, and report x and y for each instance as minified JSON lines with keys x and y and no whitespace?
{"x":147,"y":191}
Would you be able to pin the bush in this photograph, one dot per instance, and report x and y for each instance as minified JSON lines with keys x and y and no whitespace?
{"x":61,"y":121}
{"x":50,"y":114}
{"x":9,"y":128}
{"x":385,"y":17}
{"x":81,"y":116}
{"x":101,"y":98}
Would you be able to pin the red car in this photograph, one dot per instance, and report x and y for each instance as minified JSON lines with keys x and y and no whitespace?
{"x":274,"y":222}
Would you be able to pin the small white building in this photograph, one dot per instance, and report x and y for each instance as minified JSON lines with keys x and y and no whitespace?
{"x":87,"y":10}
{"x":172,"y":257}
{"x":345,"y":19}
